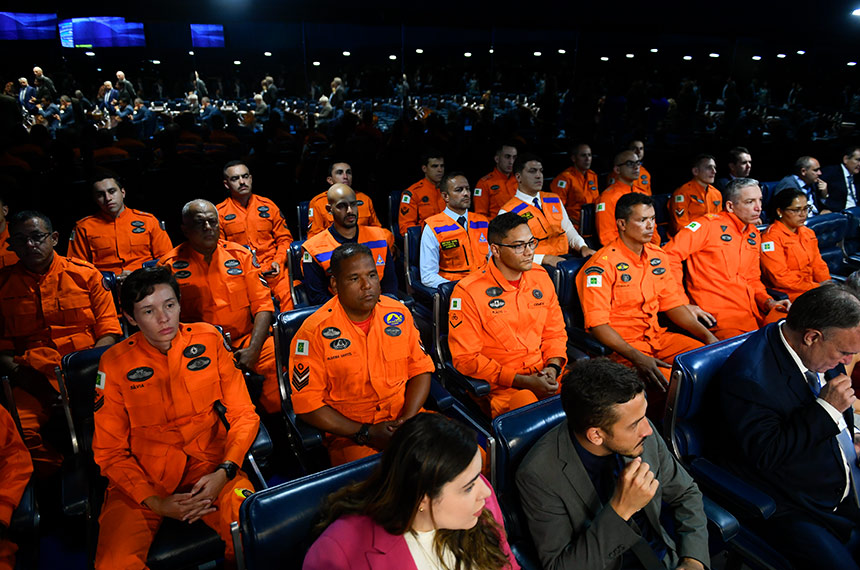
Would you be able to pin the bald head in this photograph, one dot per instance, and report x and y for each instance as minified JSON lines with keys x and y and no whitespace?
{"x":343,"y":207}
{"x":626,"y":166}
{"x":200,"y":225}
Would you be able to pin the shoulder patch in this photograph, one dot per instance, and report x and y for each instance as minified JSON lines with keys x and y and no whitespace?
{"x":456,"y":304}
{"x":594,"y":270}
{"x":601,"y":207}
{"x":100,"y":380}
{"x":693,"y":226}
{"x":679,"y":198}
{"x":562,"y":184}
{"x":477,"y":192}
{"x":593,"y":281}
{"x":406,"y":198}
{"x":302,"y":347}
{"x":767,"y":246}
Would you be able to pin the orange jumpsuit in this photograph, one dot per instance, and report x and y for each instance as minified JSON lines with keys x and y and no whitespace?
{"x":43,"y":318}
{"x":545,"y":224}
{"x":626,"y":291}
{"x":643,"y":185}
{"x":260,"y":226}
{"x":460,"y":252}
{"x":156,"y":433}
{"x":498,"y":330}
{"x":362,"y":376}
{"x":723,"y":273}
{"x":228,"y":291}
{"x":575,"y":189}
{"x":604,"y":217}
{"x":691,"y":201}
{"x":319,"y":219}
{"x":492,"y":192}
{"x":7,"y":256}
{"x":419,"y":202}
{"x":121,"y":243}
{"x":791,"y":262}
{"x":15,"y":471}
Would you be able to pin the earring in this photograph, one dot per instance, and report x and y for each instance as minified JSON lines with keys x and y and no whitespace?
{"x":420,"y":509}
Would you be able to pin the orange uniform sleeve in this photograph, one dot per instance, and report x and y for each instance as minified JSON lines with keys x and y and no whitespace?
{"x":554,"y":337}
{"x":104,"y":309}
{"x":604,"y":219}
{"x":562,"y":185}
{"x":481,"y":201}
{"x":15,"y":466}
{"x":259,"y":295}
{"x":374,"y":219}
{"x":672,"y":293}
{"x":282,"y":236}
{"x":79,"y":246}
{"x":679,"y":213}
{"x":307,"y":371}
{"x":111,"y":448}
{"x":466,"y":342}
{"x":774,"y":266}
{"x":594,"y":288}
{"x":419,"y":361}
{"x":316,"y":214}
{"x":690,"y":239}
{"x":408,"y":212}
{"x":159,"y":241}
{"x":243,"y":419}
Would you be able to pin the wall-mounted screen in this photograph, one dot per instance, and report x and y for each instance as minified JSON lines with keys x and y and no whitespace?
{"x":21,"y":26}
{"x":207,"y":35}
{"x":99,"y":32}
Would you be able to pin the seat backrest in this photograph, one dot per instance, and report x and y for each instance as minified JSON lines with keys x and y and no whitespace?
{"x":287,"y":326}
{"x":689,"y":411}
{"x":441,"y":304}
{"x":79,"y":371}
{"x":303,"y":213}
{"x":394,"y":211}
{"x":294,"y":272}
{"x":851,"y":244}
{"x":830,"y":229}
{"x":276,"y":524}
{"x":587,"y":223}
{"x":413,"y":251}
{"x":569,"y":302}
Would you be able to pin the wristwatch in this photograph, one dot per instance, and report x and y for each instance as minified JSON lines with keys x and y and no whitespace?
{"x":362,"y":436}
{"x":229,"y":468}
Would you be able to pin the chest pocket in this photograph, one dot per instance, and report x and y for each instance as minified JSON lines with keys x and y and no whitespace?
{"x":234,"y":230}
{"x":203,"y":384}
{"x":21,"y":318}
{"x":144,"y":403}
{"x":396,"y":357}
{"x":140,"y":243}
{"x":501,"y":329}
{"x":75,"y":309}
{"x":102,"y":245}
{"x":238,"y":291}
{"x":626,"y":295}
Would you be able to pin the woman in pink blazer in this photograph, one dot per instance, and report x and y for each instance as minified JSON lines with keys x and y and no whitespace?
{"x":426,"y":506}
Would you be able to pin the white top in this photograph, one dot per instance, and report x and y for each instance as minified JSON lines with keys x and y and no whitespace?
{"x":849,"y":187}
{"x":573,"y":238}
{"x":424,"y":553}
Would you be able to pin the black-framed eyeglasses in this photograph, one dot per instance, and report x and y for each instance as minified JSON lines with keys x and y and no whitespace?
{"x":630,"y":163}
{"x":32,"y":239}
{"x":803,"y":210}
{"x":519,"y":248}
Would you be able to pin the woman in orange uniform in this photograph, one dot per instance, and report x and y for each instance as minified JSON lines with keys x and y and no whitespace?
{"x":790,"y":260}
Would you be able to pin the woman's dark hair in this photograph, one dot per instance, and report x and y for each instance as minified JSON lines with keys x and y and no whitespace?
{"x":424,"y":454}
{"x":783,"y":200}
{"x":142,"y":282}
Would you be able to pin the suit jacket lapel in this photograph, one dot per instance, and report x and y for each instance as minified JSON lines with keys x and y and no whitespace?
{"x":391,"y":552}
{"x":575,"y":472}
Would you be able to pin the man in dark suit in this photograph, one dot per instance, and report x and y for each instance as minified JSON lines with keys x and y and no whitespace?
{"x":109,"y":99}
{"x":788,"y":421}
{"x":593,"y":487}
{"x":842,"y":180}
{"x":124,"y":87}
{"x":739,"y":163}
{"x":807,"y":177}
{"x":27,"y":95}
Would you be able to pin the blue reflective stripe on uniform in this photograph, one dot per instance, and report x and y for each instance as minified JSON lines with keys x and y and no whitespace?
{"x":520,"y":208}
{"x":452,"y":227}
{"x":324,"y":256}
{"x":374,"y":244}
{"x":551,"y":200}
{"x":478,"y":225}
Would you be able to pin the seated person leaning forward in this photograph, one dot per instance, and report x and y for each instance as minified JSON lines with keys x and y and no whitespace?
{"x":453,"y":242}
{"x":597,"y":488}
{"x":425,"y":506}
{"x":723,"y":271}
{"x":787,"y":424}
{"x":505,"y":324}
{"x":158,"y":440}
{"x":625,"y":285}
{"x":222,"y":285}
{"x":343,"y":207}
{"x":545,"y":213}
{"x":358,"y":367}
{"x":790,"y":259}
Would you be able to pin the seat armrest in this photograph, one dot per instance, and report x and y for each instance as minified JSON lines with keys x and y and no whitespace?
{"x":440,"y":399}
{"x":741,"y":498}
{"x":778,"y":295}
{"x":721,"y":520}
{"x":470,"y":385}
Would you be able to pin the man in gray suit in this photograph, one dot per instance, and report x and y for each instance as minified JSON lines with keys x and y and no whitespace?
{"x":592,"y":488}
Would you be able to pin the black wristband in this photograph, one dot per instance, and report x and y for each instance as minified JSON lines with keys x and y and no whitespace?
{"x":362,"y":436}
{"x":556,"y":367}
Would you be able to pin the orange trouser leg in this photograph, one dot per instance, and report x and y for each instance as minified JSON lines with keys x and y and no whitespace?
{"x":506,"y":399}
{"x":280,"y":285}
{"x":266,"y":367}
{"x":7,"y":554}
{"x":228,"y":502}
{"x":343,"y":450}
{"x":773,"y":316}
{"x":33,"y":414}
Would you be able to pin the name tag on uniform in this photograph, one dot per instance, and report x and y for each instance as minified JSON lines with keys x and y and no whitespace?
{"x":450,"y":244}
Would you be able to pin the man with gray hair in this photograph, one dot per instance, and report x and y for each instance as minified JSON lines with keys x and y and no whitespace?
{"x":723,"y":274}
{"x":787,"y":422}
{"x":807,"y":177}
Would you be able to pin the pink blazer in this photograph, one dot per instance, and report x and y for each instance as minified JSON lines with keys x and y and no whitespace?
{"x":355,"y":542}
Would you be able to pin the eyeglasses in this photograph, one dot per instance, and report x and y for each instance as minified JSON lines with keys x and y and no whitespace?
{"x":519,"y":248}
{"x":32,"y":239}
{"x":803,"y":210}
{"x":630,"y":163}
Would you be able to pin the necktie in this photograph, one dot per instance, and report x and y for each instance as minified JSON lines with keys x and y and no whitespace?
{"x":844,"y":438}
{"x":851,"y":191}
{"x":462,"y":221}
{"x":536,"y":202}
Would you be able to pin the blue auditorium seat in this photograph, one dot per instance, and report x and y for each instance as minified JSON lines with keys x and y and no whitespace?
{"x":303,"y":216}
{"x":574,"y":320}
{"x":692,"y":431}
{"x":661,"y":212}
{"x":587,"y":226}
{"x":831,"y":229}
{"x":294,"y":272}
{"x":422,"y":294}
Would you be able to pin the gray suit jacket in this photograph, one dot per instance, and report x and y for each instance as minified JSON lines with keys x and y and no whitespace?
{"x":572,"y":529}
